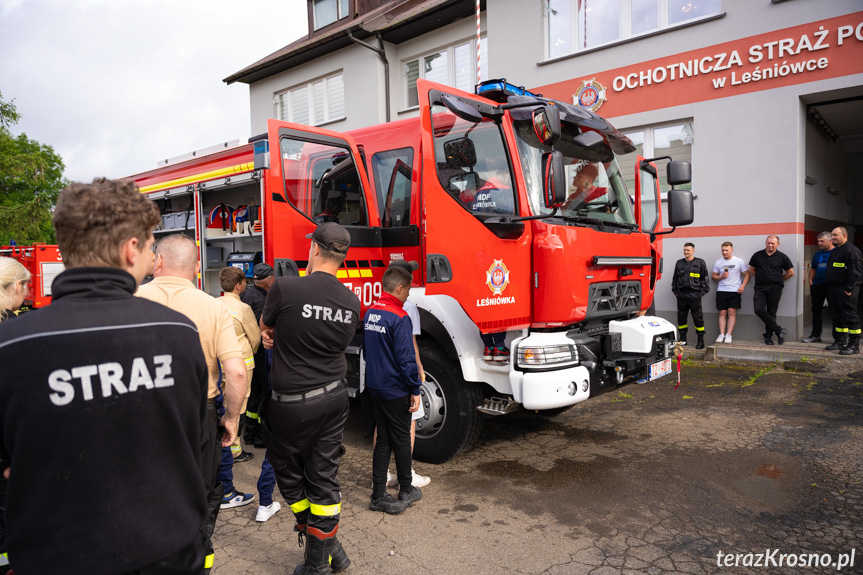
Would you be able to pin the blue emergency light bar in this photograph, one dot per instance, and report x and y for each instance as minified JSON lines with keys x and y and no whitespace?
{"x":262,"y":154}
{"x":500,"y":89}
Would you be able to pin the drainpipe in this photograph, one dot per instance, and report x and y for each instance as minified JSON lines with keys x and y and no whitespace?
{"x":383,"y":56}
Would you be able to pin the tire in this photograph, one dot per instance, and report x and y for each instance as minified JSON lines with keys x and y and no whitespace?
{"x":451,"y":423}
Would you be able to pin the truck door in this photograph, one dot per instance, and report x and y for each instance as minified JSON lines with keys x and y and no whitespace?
{"x":648,"y":211}
{"x":474,"y":252}
{"x":317,"y":176}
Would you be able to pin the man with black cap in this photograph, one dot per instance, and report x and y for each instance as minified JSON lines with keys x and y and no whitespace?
{"x":309,"y":321}
{"x":255,"y":297}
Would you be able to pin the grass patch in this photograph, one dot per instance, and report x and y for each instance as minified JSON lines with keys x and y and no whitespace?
{"x":687,"y":397}
{"x":761,"y":372}
{"x":626,"y":395}
{"x":715,"y":385}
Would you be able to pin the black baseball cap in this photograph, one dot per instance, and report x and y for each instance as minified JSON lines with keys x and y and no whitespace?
{"x":408,"y":266}
{"x":329,"y":234}
{"x":263,"y":271}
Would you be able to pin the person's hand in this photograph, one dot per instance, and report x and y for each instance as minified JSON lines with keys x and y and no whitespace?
{"x":6,"y":473}
{"x":415,"y":403}
{"x":267,"y":338}
{"x":847,"y":293}
{"x":230,"y":434}
{"x":740,"y":289}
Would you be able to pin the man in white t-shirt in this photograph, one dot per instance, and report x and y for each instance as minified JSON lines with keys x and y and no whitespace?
{"x":732,"y":273}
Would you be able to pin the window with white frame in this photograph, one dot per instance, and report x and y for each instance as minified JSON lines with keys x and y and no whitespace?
{"x":454,"y":66}
{"x":574,"y":25}
{"x":675,"y":140}
{"x":328,"y":11}
{"x":315,"y":103}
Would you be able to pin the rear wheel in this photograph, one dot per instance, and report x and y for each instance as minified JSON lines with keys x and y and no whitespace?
{"x":451,"y":423}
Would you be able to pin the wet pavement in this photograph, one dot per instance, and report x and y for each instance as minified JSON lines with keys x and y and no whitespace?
{"x":741,"y":458}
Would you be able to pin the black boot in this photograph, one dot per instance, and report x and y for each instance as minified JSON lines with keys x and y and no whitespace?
{"x":768,"y":338}
{"x":339,"y":560}
{"x":318,"y":553}
{"x":700,"y":344}
{"x":840,"y":341}
{"x":853,"y":347}
{"x":682,"y":337}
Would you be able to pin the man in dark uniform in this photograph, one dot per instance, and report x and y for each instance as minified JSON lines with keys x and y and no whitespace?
{"x":771,"y":269}
{"x":818,"y":286}
{"x":255,"y":296}
{"x":689,"y":284}
{"x":309,"y":321}
{"x":844,"y":274}
{"x":102,"y":400}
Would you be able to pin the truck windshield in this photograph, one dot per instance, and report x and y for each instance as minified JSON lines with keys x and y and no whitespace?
{"x":596,"y":189}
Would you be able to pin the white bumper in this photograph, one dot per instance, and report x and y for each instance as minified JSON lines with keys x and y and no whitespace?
{"x":637,"y":334}
{"x":547,"y":389}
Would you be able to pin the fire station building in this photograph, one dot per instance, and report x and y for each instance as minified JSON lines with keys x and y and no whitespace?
{"x":764,"y":97}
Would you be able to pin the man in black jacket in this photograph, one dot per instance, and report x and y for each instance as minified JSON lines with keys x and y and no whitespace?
{"x":689,"y":284}
{"x":102,"y":399}
{"x":255,"y":296}
{"x":844,"y":274}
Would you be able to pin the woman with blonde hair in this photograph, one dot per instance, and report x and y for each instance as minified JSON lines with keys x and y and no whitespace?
{"x":14,"y":285}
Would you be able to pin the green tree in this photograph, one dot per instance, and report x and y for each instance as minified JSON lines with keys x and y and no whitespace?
{"x":31,"y":177}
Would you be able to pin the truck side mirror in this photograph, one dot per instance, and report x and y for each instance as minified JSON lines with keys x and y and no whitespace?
{"x":680,"y":208}
{"x":546,"y":124}
{"x":678,"y":173}
{"x":553,"y":179}
{"x":460,"y":153}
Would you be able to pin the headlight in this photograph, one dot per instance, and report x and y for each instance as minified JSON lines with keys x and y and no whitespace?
{"x":546,"y":356}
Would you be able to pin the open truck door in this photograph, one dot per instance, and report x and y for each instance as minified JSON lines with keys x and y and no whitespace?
{"x":317,"y":176}
{"x":474,"y":252}
{"x":648,"y":212}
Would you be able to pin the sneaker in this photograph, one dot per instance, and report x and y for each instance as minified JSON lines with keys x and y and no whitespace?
{"x":501,"y":353}
{"x":419,"y":480}
{"x":721,"y":338}
{"x":781,"y":333}
{"x":728,"y":338}
{"x":236,"y":499}
{"x":267,"y":511}
{"x":409,"y":498}
{"x":768,"y":340}
{"x":392,"y":480}
{"x":812,"y":339}
{"x":488,"y":353}
{"x":243,"y":456}
{"x":387,"y":504}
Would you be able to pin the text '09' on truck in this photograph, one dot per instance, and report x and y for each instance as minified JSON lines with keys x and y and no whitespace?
{"x":515,"y":208}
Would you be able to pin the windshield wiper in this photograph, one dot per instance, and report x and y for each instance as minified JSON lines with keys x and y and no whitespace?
{"x":581,"y":218}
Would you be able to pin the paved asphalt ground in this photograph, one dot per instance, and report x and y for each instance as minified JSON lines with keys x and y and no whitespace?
{"x":741,"y":458}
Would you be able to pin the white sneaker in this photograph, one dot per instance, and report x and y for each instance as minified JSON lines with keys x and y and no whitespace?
{"x":721,"y":338}
{"x":419,"y":480}
{"x":728,"y":338}
{"x":267,"y":511}
{"x":392,"y":480}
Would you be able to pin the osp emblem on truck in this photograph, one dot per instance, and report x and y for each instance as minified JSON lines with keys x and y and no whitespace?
{"x":497,"y":277}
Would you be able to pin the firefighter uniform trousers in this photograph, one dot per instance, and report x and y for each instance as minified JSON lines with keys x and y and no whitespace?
{"x":689,"y":301}
{"x":843,"y":311}
{"x":303,"y":438}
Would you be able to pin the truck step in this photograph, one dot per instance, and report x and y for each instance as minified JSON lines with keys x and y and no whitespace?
{"x":498,"y":406}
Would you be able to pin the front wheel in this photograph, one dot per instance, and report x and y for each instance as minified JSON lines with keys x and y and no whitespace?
{"x":451,"y":423}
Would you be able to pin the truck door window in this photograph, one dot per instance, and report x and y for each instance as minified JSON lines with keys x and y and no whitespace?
{"x":393,"y":175}
{"x":321,"y":181}
{"x":472,"y":163}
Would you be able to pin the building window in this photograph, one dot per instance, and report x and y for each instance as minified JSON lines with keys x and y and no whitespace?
{"x":574,"y":25}
{"x":675,"y":140}
{"x":328,"y":11}
{"x":454,"y":66}
{"x":315,"y":103}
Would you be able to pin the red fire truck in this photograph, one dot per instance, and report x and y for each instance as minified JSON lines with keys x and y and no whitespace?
{"x":476,"y":190}
{"x":44,"y":263}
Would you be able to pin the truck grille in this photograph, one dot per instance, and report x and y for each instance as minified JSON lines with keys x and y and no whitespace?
{"x":613,"y":299}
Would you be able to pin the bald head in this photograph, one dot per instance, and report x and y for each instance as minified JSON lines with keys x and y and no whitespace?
{"x":177,"y":256}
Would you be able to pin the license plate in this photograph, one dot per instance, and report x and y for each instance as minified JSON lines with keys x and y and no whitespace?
{"x":657,"y":370}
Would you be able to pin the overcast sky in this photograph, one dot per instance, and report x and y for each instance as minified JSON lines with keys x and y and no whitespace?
{"x":115,"y":85}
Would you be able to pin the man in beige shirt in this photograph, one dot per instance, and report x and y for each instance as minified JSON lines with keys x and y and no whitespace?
{"x":233,"y":283}
{"x":176,"y":267}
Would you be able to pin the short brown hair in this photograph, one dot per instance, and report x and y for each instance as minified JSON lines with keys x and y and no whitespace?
{"x":93,"y":220}
{"x":689,"y":245}
{"x":395,"y":277}
{"x":333,"y":256}
{"x":729,"y":244}
{"x":230,"y":277}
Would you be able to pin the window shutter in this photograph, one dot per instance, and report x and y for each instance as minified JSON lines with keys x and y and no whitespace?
{"x":318,"y":101}
{"x":336,"y":97}
{"x":300,"y":105}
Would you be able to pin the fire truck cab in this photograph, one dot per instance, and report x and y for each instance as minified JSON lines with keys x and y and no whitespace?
{"x":489,"y":193}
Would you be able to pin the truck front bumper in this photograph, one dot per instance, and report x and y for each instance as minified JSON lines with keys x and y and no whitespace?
{"x":547,"y":386}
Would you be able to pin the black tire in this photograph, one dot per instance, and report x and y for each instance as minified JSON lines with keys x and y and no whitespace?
{"x":451,"y":423}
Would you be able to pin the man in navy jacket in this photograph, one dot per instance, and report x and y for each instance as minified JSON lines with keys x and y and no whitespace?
{"x":393,"y":381}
